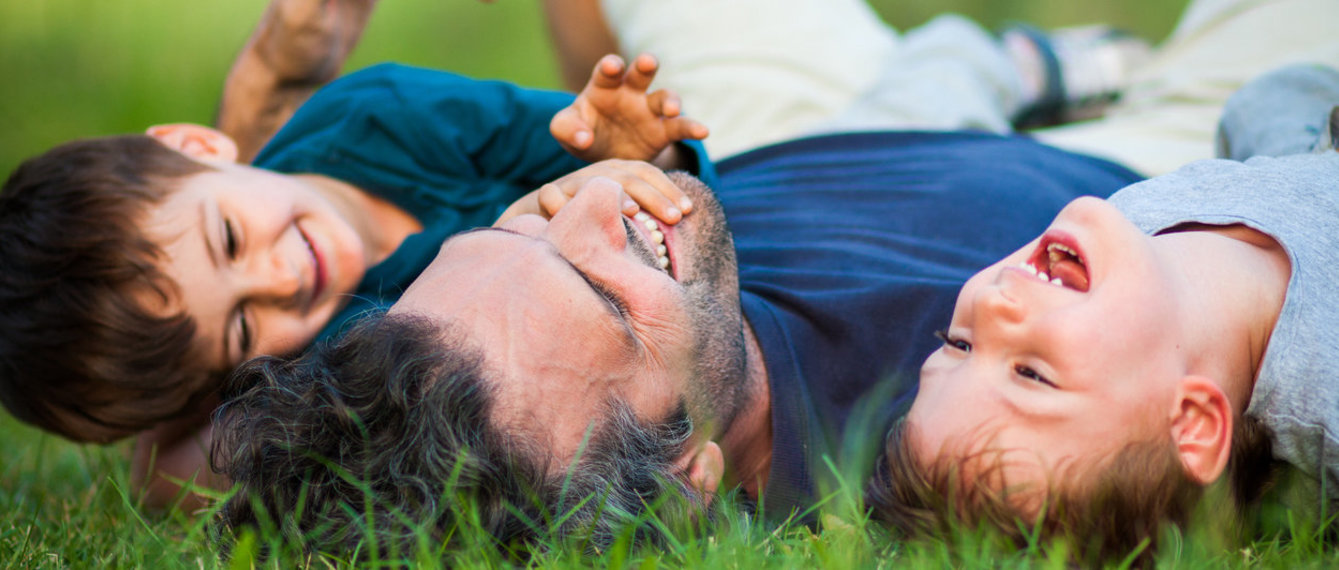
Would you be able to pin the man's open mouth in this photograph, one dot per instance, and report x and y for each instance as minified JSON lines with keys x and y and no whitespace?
{"x":1058,"y":261}
{"x":653,"y":231}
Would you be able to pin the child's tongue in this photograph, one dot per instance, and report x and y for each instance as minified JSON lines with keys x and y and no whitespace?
{"x":1071,"y":273}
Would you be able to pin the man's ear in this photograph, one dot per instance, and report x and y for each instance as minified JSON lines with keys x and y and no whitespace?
{"x":196,"y":141}
{"x":1202,"y":428}
{"x":703,"y":465}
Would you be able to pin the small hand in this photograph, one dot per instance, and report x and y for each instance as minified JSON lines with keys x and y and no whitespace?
{"x":644,"y":187}
{"x":614,"y":117}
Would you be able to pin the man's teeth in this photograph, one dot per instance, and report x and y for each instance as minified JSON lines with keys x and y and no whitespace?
{"x":662,"y":254}
{"x":1028,"y":267}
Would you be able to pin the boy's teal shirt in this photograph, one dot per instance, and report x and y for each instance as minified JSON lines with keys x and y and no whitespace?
{"x":452,"y":151}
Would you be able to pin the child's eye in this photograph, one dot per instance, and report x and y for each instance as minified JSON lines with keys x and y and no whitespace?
{"x":243,"y":327}
{"x":1029,"y":373}
{"x":229,"y":239}
{"x":953,"y":342}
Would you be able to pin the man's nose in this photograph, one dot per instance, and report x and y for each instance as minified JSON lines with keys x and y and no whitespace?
{"x":591,"y":221}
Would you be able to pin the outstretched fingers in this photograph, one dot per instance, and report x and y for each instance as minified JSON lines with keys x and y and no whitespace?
{"x":683,"y":128}
{"x":642,"y":73}
{"x":664,"y":103}
{"x":608,"y":73}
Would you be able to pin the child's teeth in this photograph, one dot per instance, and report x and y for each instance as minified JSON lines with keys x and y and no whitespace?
{"x":1039,"y":274}
{"x":1054,"y":247}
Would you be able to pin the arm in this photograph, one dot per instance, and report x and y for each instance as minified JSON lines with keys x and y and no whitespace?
{"x":298,"y":46}
{"x":580,"y":36}
{"x":614,"y":117}
{"x":175,"y":451}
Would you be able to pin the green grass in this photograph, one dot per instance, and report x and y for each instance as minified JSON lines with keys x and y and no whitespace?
{"x":65,"y":506}
{"x":76,"y":68}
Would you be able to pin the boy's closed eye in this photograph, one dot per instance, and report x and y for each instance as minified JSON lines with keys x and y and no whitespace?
{"x":954,"y":343}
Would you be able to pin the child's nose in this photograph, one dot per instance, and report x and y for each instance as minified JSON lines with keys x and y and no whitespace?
{"x":993,"y":302}
{"x":274,"y":281}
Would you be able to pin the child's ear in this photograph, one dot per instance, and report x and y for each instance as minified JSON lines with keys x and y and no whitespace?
{"x":1202,"y":428}
{"x":703,"y":465}
{"x":196,"y":141}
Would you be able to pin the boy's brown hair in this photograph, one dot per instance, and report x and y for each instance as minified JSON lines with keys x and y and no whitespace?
{"x":80,"y":354}
{"x":1120,"y":508}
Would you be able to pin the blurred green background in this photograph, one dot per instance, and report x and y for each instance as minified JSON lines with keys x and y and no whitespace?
{"x":75,"y":68}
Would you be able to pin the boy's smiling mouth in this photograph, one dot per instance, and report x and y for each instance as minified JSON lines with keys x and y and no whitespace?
{"x":1058,"y":261}
{"x":319,"y":276}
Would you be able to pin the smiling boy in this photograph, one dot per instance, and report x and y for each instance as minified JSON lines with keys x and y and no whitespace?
{"x":138,"y":270}
{"x":1142,"y":347}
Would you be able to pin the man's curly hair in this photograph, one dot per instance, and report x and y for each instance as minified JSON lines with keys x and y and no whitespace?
{"x":386,"y":431}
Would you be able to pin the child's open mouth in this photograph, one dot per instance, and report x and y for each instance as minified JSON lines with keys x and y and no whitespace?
{"x":1057,"y":261}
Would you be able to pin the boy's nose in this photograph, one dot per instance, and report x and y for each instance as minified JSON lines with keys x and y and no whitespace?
{"x":994,"y":302}
{"x":275,"y":281}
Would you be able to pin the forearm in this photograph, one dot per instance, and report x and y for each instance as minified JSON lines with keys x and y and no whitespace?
{"x":298,"y":46}
{"x":580,"y":36}
{"x":169,"y":456}
{"x":257,"y":102}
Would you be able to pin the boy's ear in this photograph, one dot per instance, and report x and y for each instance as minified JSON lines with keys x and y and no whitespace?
{"x":1202,"y":428}
{"x":703,"y":465}
{"x":196,"y":141}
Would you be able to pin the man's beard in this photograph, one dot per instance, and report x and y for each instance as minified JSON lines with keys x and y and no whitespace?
{"x":719,"y":388}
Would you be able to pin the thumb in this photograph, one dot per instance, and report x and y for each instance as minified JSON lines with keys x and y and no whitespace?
{"x":570,"y":130}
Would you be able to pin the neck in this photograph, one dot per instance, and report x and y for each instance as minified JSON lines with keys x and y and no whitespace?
{"x":747,"y":444}
{"x":1236,"y":280}
{"x":382,"y":225}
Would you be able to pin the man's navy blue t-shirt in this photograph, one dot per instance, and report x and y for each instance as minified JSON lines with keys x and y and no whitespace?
{"x":852,"y":249}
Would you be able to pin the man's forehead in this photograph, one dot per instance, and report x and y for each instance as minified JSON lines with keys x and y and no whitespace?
{"x":466,"y":270}
{"x":517,"y":299}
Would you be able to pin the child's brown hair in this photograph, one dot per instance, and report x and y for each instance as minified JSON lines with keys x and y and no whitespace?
{"x":81,"y":355}
{"x":1107,"y":513}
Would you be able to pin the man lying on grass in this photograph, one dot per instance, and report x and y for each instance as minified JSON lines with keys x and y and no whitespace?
{"x":1099,"y":377}
{"x":569,"y":374}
